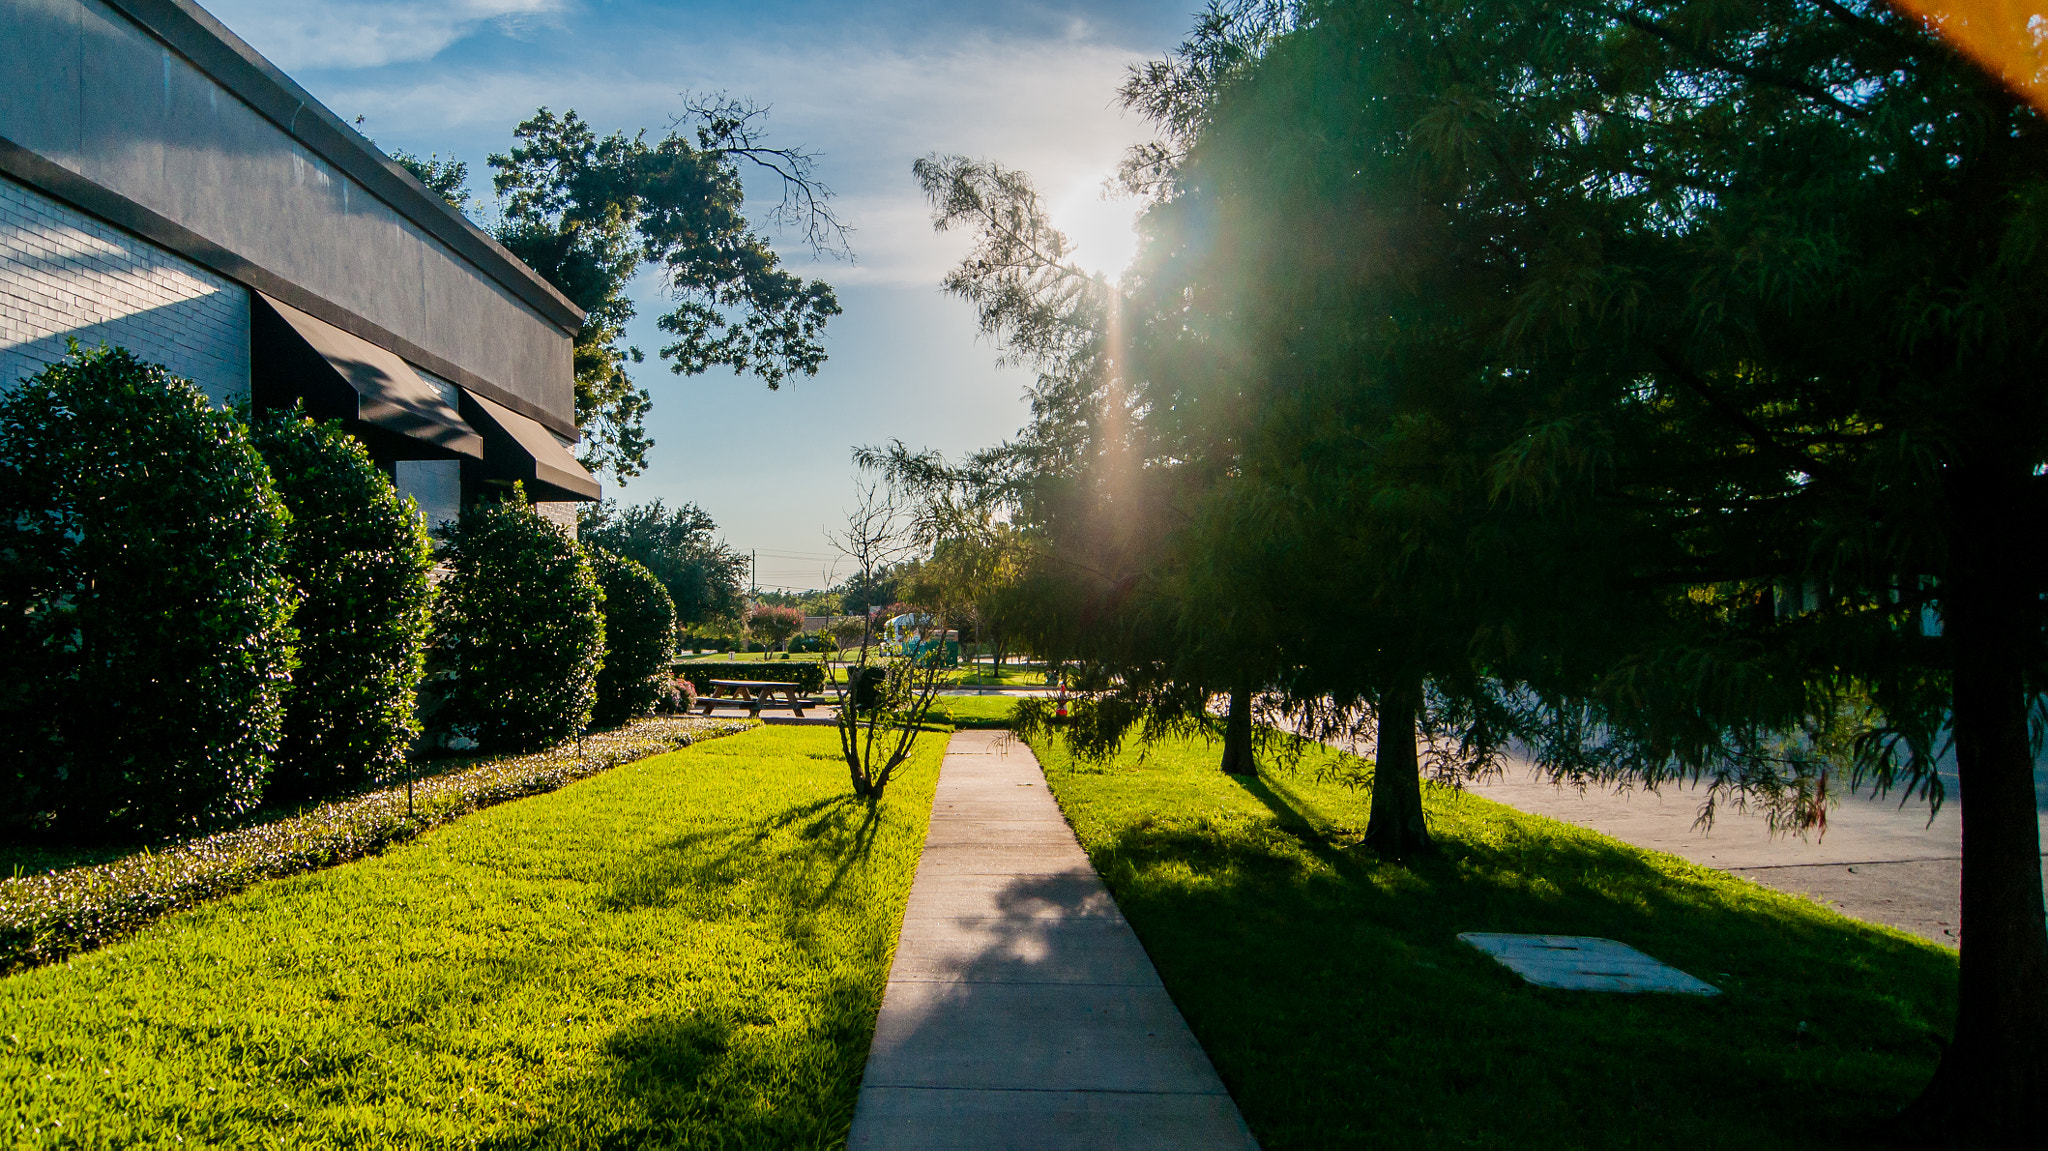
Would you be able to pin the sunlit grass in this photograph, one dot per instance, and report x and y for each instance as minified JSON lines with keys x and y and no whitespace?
{"x":688,"y":950}
{"x":974,"y":710}
{"x":1333,"y":995}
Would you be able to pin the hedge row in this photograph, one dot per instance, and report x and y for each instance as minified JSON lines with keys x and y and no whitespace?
{"x":145,"y":639}
{"x":44,"y":918}
{"x":805,"y":675}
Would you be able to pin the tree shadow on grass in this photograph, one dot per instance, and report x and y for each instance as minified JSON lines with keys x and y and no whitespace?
{"x":719,"y":1076}
{"x":1331,"y":991}
{"x":767,"y":1054}
{"x":823,"y":838}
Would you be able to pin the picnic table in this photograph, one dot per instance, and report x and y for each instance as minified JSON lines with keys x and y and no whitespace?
{"x":753,"y":694}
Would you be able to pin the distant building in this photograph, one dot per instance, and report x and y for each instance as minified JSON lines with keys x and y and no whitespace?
{"x":165,"y":189}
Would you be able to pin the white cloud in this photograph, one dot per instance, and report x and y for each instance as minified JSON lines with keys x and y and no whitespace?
{"x":872,"y":87}
{"x":1044,"y":107}
{"x":369,"y":33}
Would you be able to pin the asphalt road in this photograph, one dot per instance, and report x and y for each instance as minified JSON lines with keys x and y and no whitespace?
{"x":1878,"y":860}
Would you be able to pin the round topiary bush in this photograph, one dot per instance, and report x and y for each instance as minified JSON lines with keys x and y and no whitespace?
{"x":144,"y":615}
{"x":358,"y":558}
{"x":518,"y":630}
{"x":639,"y":639}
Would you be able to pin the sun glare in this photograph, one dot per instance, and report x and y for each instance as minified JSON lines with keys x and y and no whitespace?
{"x":1102,"y":230}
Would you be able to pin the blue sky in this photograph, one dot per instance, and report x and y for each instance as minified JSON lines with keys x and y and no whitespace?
{"x":872,"y":87}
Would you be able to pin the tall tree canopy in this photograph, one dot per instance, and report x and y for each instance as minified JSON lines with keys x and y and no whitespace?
{"x":1651,"y":380}
{"x":704,"y":576}
{"x":588,"y":212}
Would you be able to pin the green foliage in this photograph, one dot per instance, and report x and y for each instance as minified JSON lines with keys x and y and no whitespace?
{"x":807,"y":676}
{"x":811,"y":602}
{"x":861,"y":592}
{"x":358,"y":557}
{"x":1306,"y":966}
{"x":47,"y":917}
{"x":814,"y":643}
{"x":704,"y":575}
{"x":685,"y":951}
{"x":639,"y":639}
{"x":1642,"y":379}
{"x":447,"y":179}
{"x":587,"y":213}
{"x":962,"y":712}
{"x":144,"y":615}
{"x":518,"y":630}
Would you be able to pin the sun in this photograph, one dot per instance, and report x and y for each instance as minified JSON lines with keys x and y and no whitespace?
{"x":1103,"y":231}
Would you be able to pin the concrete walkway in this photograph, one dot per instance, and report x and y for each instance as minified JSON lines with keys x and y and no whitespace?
{"x":1021,"y":1011}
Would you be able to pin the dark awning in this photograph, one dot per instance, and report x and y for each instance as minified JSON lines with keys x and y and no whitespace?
{"x":338,"y":375}
{"x":518,"y":448}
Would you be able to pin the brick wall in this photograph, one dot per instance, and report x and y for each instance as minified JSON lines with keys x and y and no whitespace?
{"x":559,"y":512}
{"x":65,"y":274}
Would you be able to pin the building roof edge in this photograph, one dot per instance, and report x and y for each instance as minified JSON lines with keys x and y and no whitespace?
{"x":215,"y":50}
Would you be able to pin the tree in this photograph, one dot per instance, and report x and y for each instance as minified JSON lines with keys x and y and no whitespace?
{"x":1754,"y":287}
{"x":145,"y":639}
{"x":639,"y":640}
{"x":774,"y":624}
{"x":704,"y":576}
{"x":1832,"y":325}
{"x":448,"y":179}
{"x":883,"y":700}
{"x":862,"y":592}
{"x":358,"y":558}
{"x":518,"y":630}
{"x":588,"y":213}
{"x":1092,"y":487}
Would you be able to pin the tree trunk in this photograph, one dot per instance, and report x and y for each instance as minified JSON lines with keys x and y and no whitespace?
{"x":1396,"y":828}
{"x":1237,"y":734}
{"x":1991,"y":1089}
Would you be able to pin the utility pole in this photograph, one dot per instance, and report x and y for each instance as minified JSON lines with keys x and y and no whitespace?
{"x":755,"y":578}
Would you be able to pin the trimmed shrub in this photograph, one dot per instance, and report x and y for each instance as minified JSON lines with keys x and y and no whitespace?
{"x":144,"y":616}
{"x":805,"y":675}
{"x":814,"y":643}
{"x":359,"y":557}
{"x":44,"y":918}
{"x":518,"y":631}
{"x":639,"y":639}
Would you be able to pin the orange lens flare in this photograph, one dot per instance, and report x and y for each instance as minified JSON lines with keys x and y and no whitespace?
{"x":2008,"y":38}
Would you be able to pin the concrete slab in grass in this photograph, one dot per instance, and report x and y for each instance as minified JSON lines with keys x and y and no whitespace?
{"x":1585,"y":963}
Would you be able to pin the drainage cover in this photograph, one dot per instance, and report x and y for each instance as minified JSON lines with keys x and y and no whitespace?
{"x":1585,"y":963}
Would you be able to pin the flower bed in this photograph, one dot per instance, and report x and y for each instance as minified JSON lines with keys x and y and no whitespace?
{"x":44,"y":918}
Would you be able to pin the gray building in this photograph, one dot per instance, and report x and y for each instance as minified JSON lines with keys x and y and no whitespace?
{"x":165,"y":189}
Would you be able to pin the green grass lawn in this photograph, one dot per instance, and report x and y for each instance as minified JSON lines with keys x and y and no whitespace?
{"x":973,"y":710}
{"x":746,"y":657}
{"x":687,"y":950}
{"x":1331,"y":991}
{"x":1011,"y":677}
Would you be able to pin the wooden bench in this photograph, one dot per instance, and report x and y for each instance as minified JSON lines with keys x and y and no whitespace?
{"x":752,"y":694}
